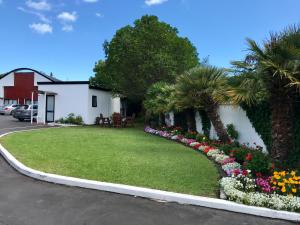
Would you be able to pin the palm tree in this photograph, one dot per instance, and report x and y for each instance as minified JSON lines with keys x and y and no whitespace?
{"x":158,"y":100}
{"x":272,"y":73}
{"x":203,"y":87}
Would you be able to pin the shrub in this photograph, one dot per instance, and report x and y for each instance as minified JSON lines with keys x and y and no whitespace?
{"x":257,"y":162}
{"x":232,"y":132}
{"x":71,"y":119}
{"x":226,"y":148}
{"x":201,"y":138}
{"x":191,"y":135}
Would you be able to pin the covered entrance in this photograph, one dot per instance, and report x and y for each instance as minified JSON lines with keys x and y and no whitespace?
{"x":46,"y":107}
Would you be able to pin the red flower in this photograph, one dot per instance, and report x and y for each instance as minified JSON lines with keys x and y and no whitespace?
{"x":236,"y":172}
{"x":249,"y":157}
{"x":258,"y":174}
{"x":245,"y":172}
{"x":207,"y":149}
{"x":197,"y":146}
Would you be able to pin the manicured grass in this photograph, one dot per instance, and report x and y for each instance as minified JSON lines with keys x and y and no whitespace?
{"x":126,"y":156}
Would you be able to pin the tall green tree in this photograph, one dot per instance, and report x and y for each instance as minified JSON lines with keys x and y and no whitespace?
{"x":158,"y":99}
{"x":141,"y":55}
{"x":203,"y":87}
{"x":271,"y":73}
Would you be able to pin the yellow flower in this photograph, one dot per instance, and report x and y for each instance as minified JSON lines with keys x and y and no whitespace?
{"x":293,"y":173}
{"x":280,"y":184}
{"x":282,"y":173}
{"x":274,"y":182}
{"x":277,"y":177}
{"x":294,"y":190}
{"x":283,"y":189}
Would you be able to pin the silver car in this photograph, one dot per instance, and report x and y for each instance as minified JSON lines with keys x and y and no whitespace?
{"x":7,"y":109}
{"x":24,"y":112}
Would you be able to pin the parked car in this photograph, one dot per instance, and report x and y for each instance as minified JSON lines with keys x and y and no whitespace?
{"x":8,"y":109}
{"x":24,"y":112}
{"x":19,"y":107}
{"x":2,"y":109}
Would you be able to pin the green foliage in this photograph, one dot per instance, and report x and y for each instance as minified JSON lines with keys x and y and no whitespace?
{"x":143,"y":54}
{"x":71,"y":119}
{"x":294,"y":156}
{"x":202,"y":138}
{"x":260,"y":117}
{"x":199,"y":87}
{"x":180,"y":120}
{"x":260,"y":163}
{"x":251,"y":159}
{"x":158,"y":98}
{"x":226,"y":148}
{"x":191,"y":135}
{"x":232,"y":132}
{"x":206,"y":123}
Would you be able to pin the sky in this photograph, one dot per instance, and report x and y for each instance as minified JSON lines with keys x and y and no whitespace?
{"x":65,"y":37}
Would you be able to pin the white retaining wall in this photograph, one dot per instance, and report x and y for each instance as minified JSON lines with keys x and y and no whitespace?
{"x":235,"y":115}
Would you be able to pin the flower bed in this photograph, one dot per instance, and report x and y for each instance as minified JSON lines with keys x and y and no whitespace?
{"x":255,"y":187}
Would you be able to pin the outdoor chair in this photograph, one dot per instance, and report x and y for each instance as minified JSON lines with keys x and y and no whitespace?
{"x":104,"y":121}
{"x":117,"y":120}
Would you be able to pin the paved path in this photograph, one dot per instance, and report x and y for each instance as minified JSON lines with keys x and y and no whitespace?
{"x":25,"y":201}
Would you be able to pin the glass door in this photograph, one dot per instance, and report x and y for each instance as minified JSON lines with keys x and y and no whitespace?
{"x":50,"y":105}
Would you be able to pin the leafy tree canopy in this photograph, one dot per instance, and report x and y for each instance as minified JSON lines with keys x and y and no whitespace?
{"x":158,"y":98}
{"x":141,"y":55}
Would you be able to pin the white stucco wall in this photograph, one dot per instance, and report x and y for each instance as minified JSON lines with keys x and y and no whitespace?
{"x":237,"y":116}
{"x":198,"y":122}
{"x":39,"y":78}
{"x":8,"y":80}
{"x":106,"y":105}
{"x":70,"y":98}
{"x":116,"y":105}
{"x":77,"y":99}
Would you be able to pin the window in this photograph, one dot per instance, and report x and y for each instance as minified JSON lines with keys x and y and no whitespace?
{"x":94,"y":101}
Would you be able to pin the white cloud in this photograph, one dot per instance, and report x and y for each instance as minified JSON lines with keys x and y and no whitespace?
{"x":38,"y":5}
{"x":41,"y":16}
{"x":67,"y":28}
{"x":90,"y":1}
{"x":154,"y":2}
{"x":41,"y":28}
{"x":100,"y":15}
{"x":67,"y":17}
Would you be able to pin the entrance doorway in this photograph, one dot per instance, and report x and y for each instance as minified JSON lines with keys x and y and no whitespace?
{"x":50,"y":106}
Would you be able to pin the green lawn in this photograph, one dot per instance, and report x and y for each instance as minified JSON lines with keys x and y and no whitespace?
{"x":126,"y":156}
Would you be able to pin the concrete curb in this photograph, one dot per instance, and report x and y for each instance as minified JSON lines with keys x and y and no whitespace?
{"x":146,"y":192}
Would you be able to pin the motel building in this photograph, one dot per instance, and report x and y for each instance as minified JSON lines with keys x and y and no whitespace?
{"x":55,"y":98}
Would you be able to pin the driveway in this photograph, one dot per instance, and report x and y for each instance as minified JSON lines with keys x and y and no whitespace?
{"x":8,"y":123}
{"x":25,"y":201}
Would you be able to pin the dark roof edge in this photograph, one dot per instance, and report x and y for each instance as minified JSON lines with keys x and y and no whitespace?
{"x":33,"y":70}
{"x":99,"y":88}
{"x":63,"y":82}
{"x":74,"y":82}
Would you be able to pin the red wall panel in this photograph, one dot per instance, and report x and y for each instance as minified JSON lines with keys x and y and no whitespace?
{"x":22,"y":89}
